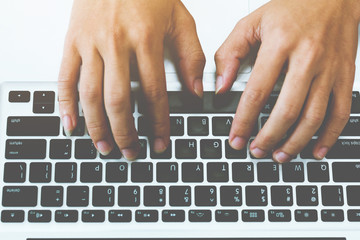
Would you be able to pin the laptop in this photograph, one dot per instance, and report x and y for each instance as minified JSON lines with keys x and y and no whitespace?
{"x":58,"y":187}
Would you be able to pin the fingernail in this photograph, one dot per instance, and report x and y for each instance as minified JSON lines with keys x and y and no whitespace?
{"x":198,"y":87}
{"x":129,"y":153}
{"x":159,"y":145}
{"x":258,"y":153}
{"x":104,"y":147}
{"x":282,"y":157}
{"x":219,"y":84}
{"x":322,"y":152}
{"x":67,"y":123}
{"x":238,"y":143}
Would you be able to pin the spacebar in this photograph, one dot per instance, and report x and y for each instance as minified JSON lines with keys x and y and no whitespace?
{"x":311,"y":238}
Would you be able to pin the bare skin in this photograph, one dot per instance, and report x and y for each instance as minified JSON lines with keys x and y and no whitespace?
{"x":104,"y":39}
{"x":315,"y":41}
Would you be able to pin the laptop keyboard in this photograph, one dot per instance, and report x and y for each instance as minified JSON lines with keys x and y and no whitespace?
{"x":48,"y":177}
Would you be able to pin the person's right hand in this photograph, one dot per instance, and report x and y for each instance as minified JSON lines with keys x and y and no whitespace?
{"x":103,"y":39}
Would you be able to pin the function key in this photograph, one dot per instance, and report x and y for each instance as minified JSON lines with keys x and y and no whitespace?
{"x":19,"y":96}
{"x":173,"y":215}
{"x":353,"y":195}
{"x":332,"y":215}
{"x":279,"y":215}
{"x":12,"y":216}
{"x":39,"y":216}
{"x":198,"y":126}
{"x":93,"y":216}
{"x":226,"y":215}
{"x":14,"y":172}
{"x":146,"y":216}
{"x":200,"y":216}
{"x":355,"y":107}
{"x":253,"y":215}
{"x":306,"y":216}
{"x":66,"y":216}
{"x":44,"y":102}
{"x":119,"y":216}
{"x":354,"y":215}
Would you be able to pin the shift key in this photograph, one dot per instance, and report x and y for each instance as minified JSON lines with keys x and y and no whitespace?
{"x":33,"y":126}
{"x":19,"y":196}
{"x":25,"y":149}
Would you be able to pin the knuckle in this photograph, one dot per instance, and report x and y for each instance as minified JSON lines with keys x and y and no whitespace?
{"x":342,"y":115}
{"x":154,"y":94}
{"x":90,"y":94}
{"x":289,"y":113}
{"x":314,"y":119}
{"x":115,"y":101}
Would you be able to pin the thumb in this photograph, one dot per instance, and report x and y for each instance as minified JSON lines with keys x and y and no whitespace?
{"x":190,"y":58}
{"x":232,"y":53}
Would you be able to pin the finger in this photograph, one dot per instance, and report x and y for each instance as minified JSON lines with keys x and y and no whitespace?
{"x":234,"y":50}
{"x":189,"y":54}
{"x":91,"y":97}
{"x":310,"y":121}
{"x":67,"y":89}
{"x":117,"y":91}
{"x":340,"y":109}
{"x":262,"y":80}
{"x":152,"y":75}
{"x":288,"y":106}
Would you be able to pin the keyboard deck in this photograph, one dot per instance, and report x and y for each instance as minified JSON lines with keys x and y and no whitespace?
{"x":48,"y":177}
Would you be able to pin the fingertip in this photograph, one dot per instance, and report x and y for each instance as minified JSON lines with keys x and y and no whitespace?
{"x":198,"y":88}
{"x":237,"y":143}
{"x":320,"y":153}
{"x":219,"y":84}
{"x":68,"y":125}
{"x":104,"y":147}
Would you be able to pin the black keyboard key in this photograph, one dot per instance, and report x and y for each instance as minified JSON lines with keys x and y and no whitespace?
{"x":353,"y":195}
{"x":332,"y":215}
{"x":253,"y":215}
{"x":354,"y":215}
{"x":40,"y":172}
{"x":182,"y":102}
{"x":85,"y":149}
{"x":39,"y":216}
{"x":144,"y":126}
{"x":332,"y":196}
{"x":230,"y":196}
{"x":173,"y":215}
{"x":180,"y":196}
{"x":268,"y":172}
{"x":355,"y":107}
{"x":176,"y":126}
{"x":318,"y":171}
{"x":192,"y":172}
{"x":352,"y":128}
{"x":164,"y":155}
{"x":143,"y":149}
{"x":65,"y":172}
{"x":15,"y":172}
{"x":307,"y":196}
{"x":306,"y":215}
{"x":44,"y":102}
{"x":221,"y":103}
{"x":115,"y":154}
{"x":345,"y":149}
{"x":12,"y":216}
{"x":346,"y":171}
{"x":66,"y":216}
{"x":226,"y":215}
{"x":154,"y":196}
{"x":93,"y":216}
{"x":116,"y":172}
{"x":217,"y":172}
{"x":79,"y":130}
{"x":279,"y":215}
{"x":52,"y":196}
{"x":103,"y":196}
{"x":119,"y":216}
{"x":91,"y":172}
{"x":128,"y":196}
{"x":256,"y":196}
{"x":146,"y":216}
{"x":19,"y":96}
{"x":141,"y":172}
{"x":185,"y":148}
{"x":293,"y":172}
{"x":199,"y":215}
{"x":77,"y":196}
{"x":60,"y":149}
{"x":281,"y":196}
{"x":221,"y":126}
{"x":269,"y":105}
{"x":205,"y":196}
{"x":167,"y":172}
{"x":198,"y":126}
{"x":24,"y":149}
{"x":33,"y":126}
{"x":231,"y":153}
{"x":210,"y":148}
{"x":243,"y":172}
{"x":19,"y":196}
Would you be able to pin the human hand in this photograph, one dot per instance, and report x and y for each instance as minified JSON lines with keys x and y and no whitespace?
{"x":104,"y":39}
{"x":315,"y":43}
